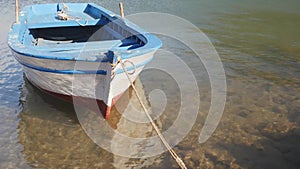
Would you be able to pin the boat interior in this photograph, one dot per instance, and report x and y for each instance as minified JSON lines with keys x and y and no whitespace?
{"x":86,"y":25}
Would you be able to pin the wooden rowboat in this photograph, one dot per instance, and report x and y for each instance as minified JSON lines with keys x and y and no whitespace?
{"x":51,"y":40}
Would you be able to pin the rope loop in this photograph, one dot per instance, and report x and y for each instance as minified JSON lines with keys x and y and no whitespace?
{"x":133,"y":65}
{"x":114,"y":65}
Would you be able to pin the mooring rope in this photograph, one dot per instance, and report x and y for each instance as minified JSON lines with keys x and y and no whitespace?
{"x":164,"y":141}
{"x":62,"y":15}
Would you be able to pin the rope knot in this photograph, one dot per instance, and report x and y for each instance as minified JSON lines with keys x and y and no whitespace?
{"x":62,"y":15}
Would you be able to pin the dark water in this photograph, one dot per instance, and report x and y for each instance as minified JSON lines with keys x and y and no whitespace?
{"x":259,"y":44}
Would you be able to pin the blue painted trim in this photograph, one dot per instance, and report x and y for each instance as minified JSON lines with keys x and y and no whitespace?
{"x":42,"y":69}
{"x":56,"y":57}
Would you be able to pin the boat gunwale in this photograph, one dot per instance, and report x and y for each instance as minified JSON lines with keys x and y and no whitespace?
{"x":152,"y":42}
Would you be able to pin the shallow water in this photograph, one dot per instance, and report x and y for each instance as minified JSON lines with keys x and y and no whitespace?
{"x":259,"y":44}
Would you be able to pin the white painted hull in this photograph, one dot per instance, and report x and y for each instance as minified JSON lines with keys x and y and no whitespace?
{"x":102,"y":87}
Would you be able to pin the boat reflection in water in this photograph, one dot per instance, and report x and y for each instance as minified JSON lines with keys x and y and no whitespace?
{"x":53,"y":137}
